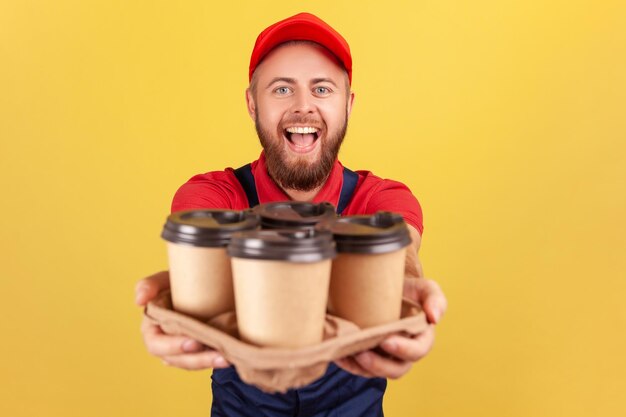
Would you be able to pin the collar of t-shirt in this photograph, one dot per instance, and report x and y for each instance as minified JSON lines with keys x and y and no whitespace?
{"x":269,"y":191}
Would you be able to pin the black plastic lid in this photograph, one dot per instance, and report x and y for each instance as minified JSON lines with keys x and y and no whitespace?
{"x":207,"y":228}
{"x":294,"y":214}
{"x":382,"y":232}
{"x":283,"y":245}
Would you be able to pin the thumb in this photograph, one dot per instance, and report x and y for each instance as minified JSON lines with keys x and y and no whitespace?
{"x":148,"y":288}
{"x":432,"y":299}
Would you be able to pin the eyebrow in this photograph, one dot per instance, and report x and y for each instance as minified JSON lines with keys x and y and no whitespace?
{"x":323,"y":80}
{"x":283,"y":79}
{"x":293,"y":81}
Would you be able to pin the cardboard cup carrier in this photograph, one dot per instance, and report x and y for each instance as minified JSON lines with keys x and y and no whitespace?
{"x":200,"y":269}
{"x":368,"y":274}
{"x":281,"y":285}
{"x":281,"y":369}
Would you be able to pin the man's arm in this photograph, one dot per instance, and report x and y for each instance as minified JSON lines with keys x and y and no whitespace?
{"x":404,"y":350}
{"x":412,"y":265}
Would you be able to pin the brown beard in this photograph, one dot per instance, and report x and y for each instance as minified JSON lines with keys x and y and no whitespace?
{"x":301,"y":175}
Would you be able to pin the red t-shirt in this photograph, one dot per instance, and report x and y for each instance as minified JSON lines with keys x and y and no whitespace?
{"x":221,"y":189}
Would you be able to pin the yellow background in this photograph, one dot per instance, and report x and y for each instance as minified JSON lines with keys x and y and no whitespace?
{"x":506,"y":118}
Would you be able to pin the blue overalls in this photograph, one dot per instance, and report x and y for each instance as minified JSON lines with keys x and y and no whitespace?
{"x":337,"y":393}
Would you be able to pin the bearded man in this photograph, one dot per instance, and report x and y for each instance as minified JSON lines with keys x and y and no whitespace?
{"x":300,"y":100}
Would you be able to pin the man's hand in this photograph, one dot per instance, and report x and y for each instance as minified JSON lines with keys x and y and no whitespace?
{"x":178,"y":351}
{"x":403,"y":351}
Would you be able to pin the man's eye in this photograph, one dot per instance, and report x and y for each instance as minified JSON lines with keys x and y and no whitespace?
{"x":322,"y":91}
{"x":282,"y":90}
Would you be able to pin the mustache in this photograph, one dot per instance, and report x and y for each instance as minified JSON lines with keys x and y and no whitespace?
{"x":303,"y":120}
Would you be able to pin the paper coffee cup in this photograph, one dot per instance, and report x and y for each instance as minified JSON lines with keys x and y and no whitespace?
{"x":367,"y":275}
{"x":200,"y":270}
{"x":294,"y":214}
{"x":281,"y":282}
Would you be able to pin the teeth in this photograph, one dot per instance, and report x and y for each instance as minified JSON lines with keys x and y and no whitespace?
{"x":302,"y":130}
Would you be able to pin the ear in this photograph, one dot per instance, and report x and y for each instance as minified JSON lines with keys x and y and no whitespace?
{"x":350,"y":102}
{"x":250,"y":104}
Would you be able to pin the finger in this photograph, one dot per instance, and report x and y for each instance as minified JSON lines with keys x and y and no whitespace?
{"x":410,"y":349}
{"x":382,"y":367}
{"x":197,"y":361}
{"x":350,"y":365}
{"x":149,"y":287}
{"x":161,"y":344}
{"x":432,"y":299}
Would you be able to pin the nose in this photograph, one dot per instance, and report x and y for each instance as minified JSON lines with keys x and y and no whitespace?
{"x":303,"y":102}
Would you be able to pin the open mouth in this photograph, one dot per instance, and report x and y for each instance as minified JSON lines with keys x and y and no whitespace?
{"x":302,"y":138}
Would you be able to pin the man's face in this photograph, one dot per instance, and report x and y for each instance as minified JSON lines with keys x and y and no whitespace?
{"x":300,"y":104}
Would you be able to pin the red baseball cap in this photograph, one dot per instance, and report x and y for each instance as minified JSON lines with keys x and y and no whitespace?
{"x":301,"y":27}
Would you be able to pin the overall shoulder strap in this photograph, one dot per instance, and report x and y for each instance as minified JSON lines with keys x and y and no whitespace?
{"x":350,"y":179}
{"x":246,"y":179}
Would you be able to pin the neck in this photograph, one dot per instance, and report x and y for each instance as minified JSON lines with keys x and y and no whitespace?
{"x":302,"y":195}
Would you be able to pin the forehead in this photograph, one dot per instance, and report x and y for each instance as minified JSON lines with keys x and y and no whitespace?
{"x":301,"y":61}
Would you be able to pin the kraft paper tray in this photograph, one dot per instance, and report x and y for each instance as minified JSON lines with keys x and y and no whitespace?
{"x":280,"y":369}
